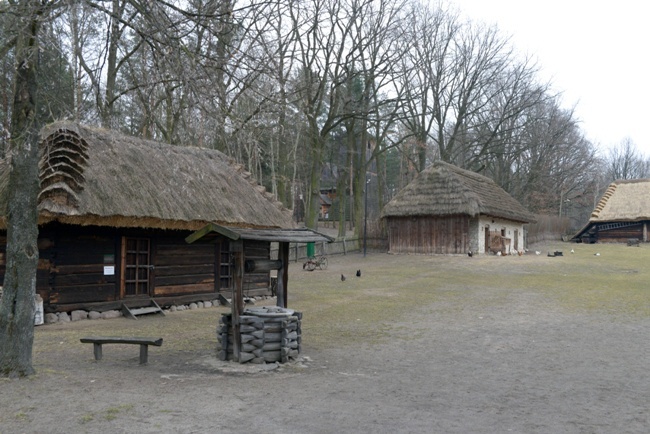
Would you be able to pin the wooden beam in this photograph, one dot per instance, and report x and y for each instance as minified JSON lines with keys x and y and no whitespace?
{"x":211,"y":227}
{"x":237,"y":304}
{"x":283,"y":274}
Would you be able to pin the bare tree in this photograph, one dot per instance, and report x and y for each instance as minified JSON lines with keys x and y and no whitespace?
{"x":626,"y":162}
{"x":17,"y":306}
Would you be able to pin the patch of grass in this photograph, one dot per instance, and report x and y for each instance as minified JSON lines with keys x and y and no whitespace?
{"x":21,"y":415}
{"x":88,"y":417}
{"x":112,"y":412}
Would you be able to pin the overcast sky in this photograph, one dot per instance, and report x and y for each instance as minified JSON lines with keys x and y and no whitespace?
{"x":595,"y":53}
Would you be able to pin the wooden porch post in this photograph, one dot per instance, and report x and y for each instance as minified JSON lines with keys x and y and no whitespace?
{"x":283,"y":274}
{"x":237,"y":248}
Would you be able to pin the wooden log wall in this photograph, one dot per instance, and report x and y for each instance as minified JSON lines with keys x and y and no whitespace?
{"x":75,"y":266}
{"x":42,"y":273}
{"x":263,"y":340}
{"x":182,"y":269}
{"x":72,"y":274}
{"x":621,"y":235}
{"x":428,"y":235}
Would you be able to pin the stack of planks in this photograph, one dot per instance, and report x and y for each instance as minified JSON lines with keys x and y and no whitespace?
{"x":263,"y":339}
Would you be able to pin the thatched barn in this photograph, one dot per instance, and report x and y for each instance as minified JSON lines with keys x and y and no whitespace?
{"x":114,"y":212}
{"x":621,"y":215}
{"x":449,"y":210}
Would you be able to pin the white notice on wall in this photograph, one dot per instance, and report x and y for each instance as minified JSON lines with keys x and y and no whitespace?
{"x":109,"y":270}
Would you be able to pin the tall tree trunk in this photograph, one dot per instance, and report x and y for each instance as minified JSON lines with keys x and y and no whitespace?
{"x":17,"y":306}
{"x":313,"y":206}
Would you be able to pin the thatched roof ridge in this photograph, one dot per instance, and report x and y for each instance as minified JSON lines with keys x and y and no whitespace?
{"x":92,"y":176}
{"x":444,"y":189}
{"x":624,"y":201}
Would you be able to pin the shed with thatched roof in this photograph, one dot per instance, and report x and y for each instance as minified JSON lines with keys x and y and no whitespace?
{"x":449,"y":210}
{"x":114,"y":212}
{"x":622,"y":214}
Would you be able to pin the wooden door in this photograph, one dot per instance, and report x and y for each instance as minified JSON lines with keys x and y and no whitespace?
{"x":136,"y":267}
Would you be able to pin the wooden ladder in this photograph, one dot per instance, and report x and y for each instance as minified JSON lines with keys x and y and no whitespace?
{"x":133,"y":313}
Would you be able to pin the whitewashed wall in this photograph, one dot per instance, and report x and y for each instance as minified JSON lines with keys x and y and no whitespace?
{"x":492,"y":224}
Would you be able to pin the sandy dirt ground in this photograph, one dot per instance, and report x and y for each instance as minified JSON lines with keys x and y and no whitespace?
{"x":482,"y":361}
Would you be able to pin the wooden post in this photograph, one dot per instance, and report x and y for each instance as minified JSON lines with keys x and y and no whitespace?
{"x":144,"y":353}
{"x":283,"y":274}
{"x":237,"y":248}
{"x":97,"y":350}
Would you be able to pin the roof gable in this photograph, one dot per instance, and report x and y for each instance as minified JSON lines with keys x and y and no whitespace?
{"x":444,"y":189}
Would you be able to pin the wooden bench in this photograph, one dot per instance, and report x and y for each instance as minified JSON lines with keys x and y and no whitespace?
{"x":144,"y":343}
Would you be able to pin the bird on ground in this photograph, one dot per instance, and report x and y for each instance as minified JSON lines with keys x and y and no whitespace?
{"x":520,"y":253}
{"x":499,"y":253}
{"x":342,"y":278}
{"x":537,"y":252}
{"x":573,"y":251}
{"x":470,"y":253}
{"x":358,"y":273}
{"x":596,"y":254}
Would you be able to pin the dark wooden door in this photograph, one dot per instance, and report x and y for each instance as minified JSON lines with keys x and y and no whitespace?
{"x":136,"y":267}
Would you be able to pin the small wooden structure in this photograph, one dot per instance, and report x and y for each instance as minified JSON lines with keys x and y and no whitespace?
{"x":114,"y":212}
{"x":623,"y":213}
{"x":239,"y":238}
{"x":449,"y":210}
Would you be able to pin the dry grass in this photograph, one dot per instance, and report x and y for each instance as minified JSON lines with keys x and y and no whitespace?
{"x":376,"y":306}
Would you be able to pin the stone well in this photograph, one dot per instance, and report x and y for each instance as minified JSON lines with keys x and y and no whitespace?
{"x":268,"y":334}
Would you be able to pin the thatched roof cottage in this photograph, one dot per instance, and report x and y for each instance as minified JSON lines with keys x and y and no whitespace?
{"x":449,"y":210}
{"x":114,"y":212}
{"x":622,"y":214}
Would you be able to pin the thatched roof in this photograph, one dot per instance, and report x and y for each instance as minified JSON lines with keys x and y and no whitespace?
{"x":624,"y":201}
{"x":444,"y":189}
{"x":92,"y":176}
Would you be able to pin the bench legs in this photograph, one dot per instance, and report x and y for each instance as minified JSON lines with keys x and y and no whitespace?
{"x":144,"y":352}
{"x":97,"y":349}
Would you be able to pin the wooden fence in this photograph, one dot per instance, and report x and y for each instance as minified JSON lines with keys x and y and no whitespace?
{"x":298,"y":251}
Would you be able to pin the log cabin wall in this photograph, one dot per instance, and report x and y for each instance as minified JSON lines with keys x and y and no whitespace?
{"x":428,"y":235}
{"x":621,"y":235}
{"x":182,"y":269}
{"x":80,"y":267}
{"x":42,"y":273}
{"x":77,"y":260}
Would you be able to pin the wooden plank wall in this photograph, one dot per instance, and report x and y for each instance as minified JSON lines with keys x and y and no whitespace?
{"x":76,"y":265}
{"x":181,"y":268}
{"x":72,"y":259}
{"x":621,"y":235}
{"x":429,"y":235}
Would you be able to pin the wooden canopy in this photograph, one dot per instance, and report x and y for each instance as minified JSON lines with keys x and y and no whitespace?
{"x":298,"y":235}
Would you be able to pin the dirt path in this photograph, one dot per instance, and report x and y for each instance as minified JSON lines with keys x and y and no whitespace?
{"x":482,"y":360}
